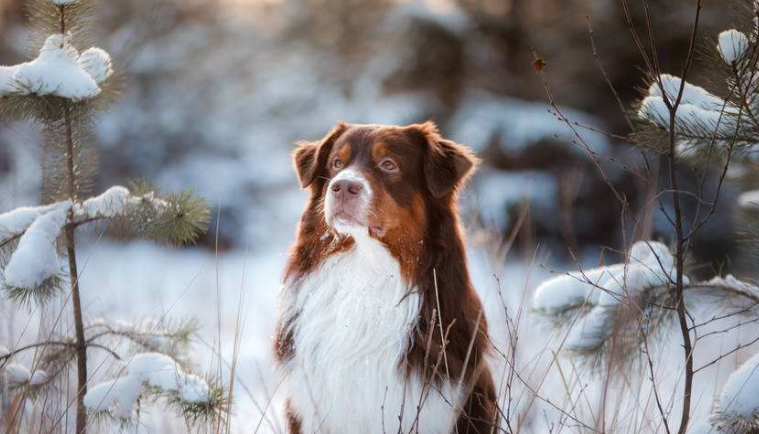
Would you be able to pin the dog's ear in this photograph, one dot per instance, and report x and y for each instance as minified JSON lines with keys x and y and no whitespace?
{"x":310,"y":158}
{"x":447,"y":165}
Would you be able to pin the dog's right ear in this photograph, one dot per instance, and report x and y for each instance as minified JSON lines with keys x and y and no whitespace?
{"x":310,"y":158}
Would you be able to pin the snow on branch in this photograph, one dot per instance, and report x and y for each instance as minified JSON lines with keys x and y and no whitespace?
{"x":592,"y":302}
{"x":34,"y":264}
{"x":17,"y":374}
{"x":59,"y":70}
{"x":732,"y":285}
{"x":692,"y":95}
{"x":63,"y":2}
{"x":601,"y":291}
{"x":97,"y":63}
{"x":732,"y":45}
{"x":738,"y":407}
{"x":702,"y":119}
{"x":36,"y":259}
{"x":700,"y":113}
{"x":148,"y":373}
{"x":16,"y":222}
{"x":109,"y":204}
{"x":748,"y":199}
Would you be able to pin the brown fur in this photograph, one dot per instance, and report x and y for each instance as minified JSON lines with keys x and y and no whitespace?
{"x":414,"y":213}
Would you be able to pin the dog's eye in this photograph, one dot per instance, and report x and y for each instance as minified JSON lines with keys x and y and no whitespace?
{"x":389,"y":165}
{"x":337,"y":163}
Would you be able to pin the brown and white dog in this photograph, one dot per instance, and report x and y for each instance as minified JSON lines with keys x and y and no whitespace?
{"x":376,"y":282}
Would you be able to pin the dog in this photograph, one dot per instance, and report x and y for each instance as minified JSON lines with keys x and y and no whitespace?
{"x":379,"y":327}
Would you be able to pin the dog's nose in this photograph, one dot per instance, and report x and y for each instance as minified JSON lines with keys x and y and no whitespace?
{"x":346,"y":188}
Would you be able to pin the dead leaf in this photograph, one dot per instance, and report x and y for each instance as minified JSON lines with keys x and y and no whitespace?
{"x":539,"y":64}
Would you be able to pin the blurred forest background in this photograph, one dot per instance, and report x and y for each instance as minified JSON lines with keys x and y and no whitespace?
{"x":217,"y":91}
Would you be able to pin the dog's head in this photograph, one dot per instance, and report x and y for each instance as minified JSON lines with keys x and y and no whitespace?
{"x":382,"y":181}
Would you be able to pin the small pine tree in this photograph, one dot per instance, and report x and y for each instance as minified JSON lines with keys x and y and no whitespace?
{"x":63,"y":90}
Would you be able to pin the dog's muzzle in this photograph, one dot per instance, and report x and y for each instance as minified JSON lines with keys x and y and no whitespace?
{"x":347,"y":200}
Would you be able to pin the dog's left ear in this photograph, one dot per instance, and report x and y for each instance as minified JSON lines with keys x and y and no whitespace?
{"x":309,"y":158}
{"x":447,"y":164}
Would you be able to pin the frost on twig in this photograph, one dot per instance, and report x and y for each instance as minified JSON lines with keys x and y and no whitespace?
{"x":152,"y":374}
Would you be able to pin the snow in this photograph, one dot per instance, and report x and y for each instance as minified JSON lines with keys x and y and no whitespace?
{"x":118,"y":396}
{"x":113,"y":202}
{"x":748,"y":199}
{"x":698,"y":109}
{"x":602,"y":290}
{"x":36,"y":258}
{"x":740,"y":396}
{"x":39,"y":377}
{"x":649,"y":265}
{"x":63,"y":2}
{"x":97,"y":63}
{"x":591,"y":331}
{"x":4,"y":351}
{"x":16,"y":373}
{"x":690,"y":116}
{"x":692,"y":95}
{"x":154,"y":370}
{"x":56,"y":71}
{"x":703,"y":428}
{"x":108,"y":204}
{"x":572,"y":289}
{"x":732,"y":45}
{"x":730,"y":281}
{"x":17,"y":221}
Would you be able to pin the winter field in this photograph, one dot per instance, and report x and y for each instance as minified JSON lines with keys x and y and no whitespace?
{"x":615,"y":260}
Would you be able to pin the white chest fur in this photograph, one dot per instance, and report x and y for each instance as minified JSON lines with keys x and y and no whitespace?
{"x":353,"y":319}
